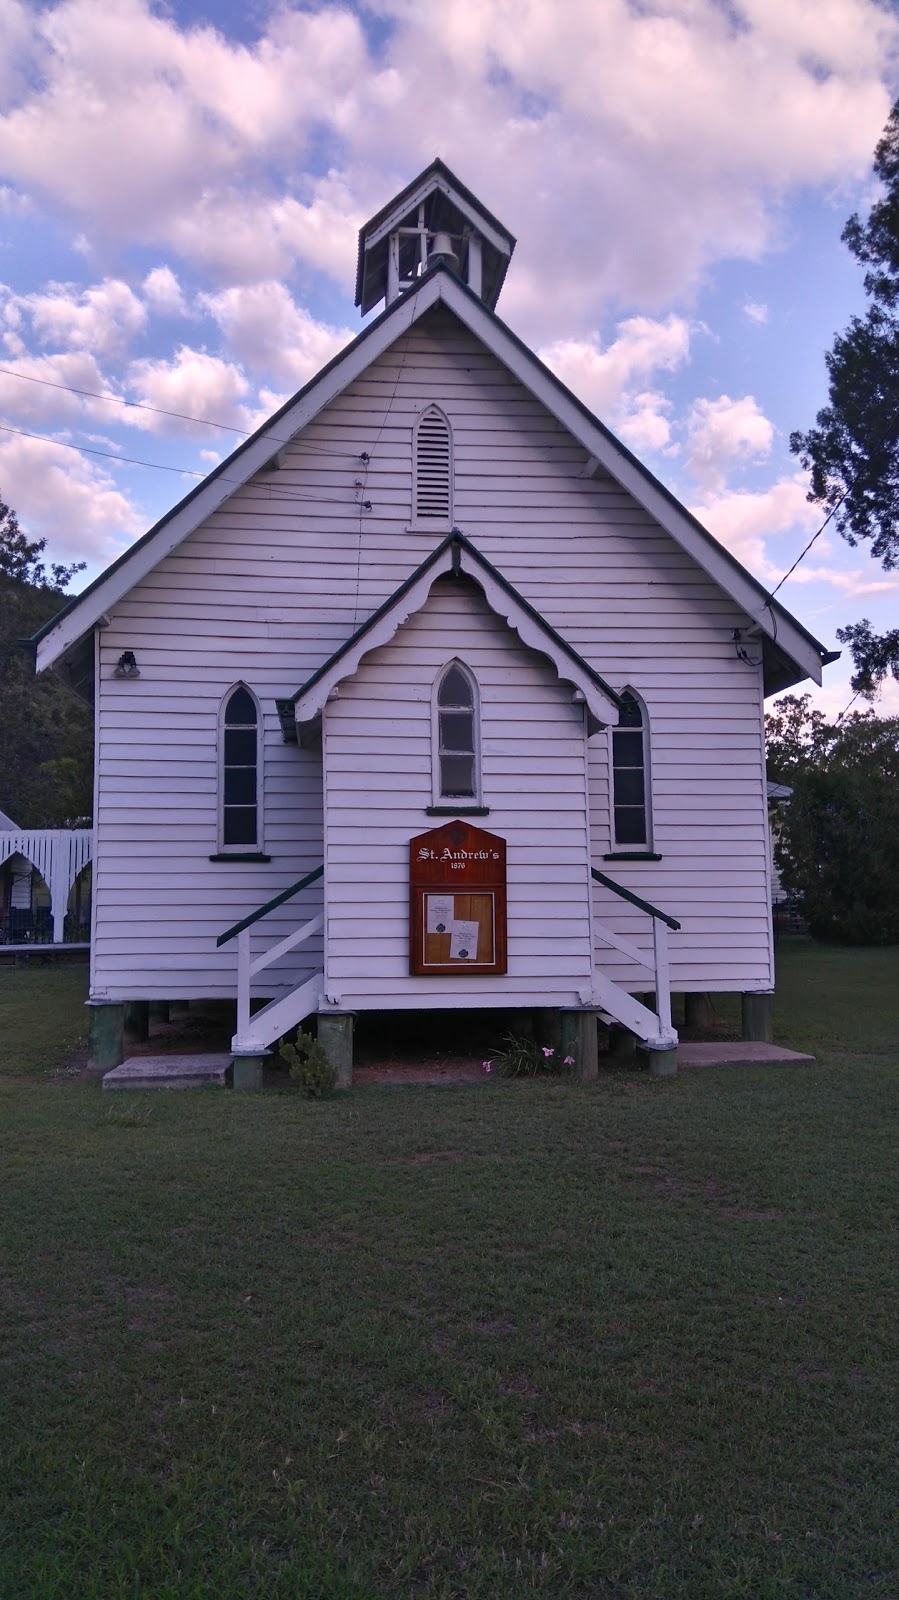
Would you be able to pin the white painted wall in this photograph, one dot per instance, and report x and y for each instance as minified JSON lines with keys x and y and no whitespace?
{"x":378,"y":785}
{"x":277,"y":578}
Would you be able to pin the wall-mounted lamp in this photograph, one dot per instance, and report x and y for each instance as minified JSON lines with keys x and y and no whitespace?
{"x":126,"y":666}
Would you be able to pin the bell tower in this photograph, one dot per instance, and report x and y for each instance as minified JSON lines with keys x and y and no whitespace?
{"x":435,"y":218}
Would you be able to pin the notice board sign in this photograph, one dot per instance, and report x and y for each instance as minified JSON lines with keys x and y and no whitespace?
{"x":457,"y":901}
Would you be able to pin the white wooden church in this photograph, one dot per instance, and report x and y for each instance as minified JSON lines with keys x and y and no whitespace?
{"x":430,"y":696}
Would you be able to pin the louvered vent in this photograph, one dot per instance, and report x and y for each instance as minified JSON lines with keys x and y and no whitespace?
{"x":433,"y":469}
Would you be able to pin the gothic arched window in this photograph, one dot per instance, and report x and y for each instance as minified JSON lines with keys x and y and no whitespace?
{"x":240,"y":772}
{"x":631,"y":813}
{"x":456,"y":735}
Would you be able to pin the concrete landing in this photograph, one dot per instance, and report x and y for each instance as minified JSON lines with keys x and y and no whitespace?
{"x":738,"y":1053}
{"x":169,"y":1072}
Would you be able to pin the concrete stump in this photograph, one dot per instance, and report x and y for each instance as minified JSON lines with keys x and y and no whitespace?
{"x":335,"y":1035}
{"x":662,"y":1063}
{"x":758,"y":1017}
{"x":137,"y":1019}
{"x":246,"y":1072}
{"x":106,"y":1035}
{"x":578,"y":1039}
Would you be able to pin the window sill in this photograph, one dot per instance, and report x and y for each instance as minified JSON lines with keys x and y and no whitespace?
{"x":240,"y":855}
{"x":457,"y":811}
{"x":436,"y":526}
{"x":632,"y":855}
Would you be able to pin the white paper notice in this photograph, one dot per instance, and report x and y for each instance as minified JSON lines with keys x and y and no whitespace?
{"x":464,"y":942}
{"x":440,"y":913}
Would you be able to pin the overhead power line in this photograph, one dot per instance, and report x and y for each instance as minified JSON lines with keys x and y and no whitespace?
{"x":117,"y":400}
{"x":287,"y":497}
{"x":159,"y":411}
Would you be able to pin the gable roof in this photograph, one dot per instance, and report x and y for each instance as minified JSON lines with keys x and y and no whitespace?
{"x":457,"y":556}
{"x":791,"y":652}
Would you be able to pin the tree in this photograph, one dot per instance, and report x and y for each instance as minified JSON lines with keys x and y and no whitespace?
{"x":46,"y":735}
{"x":853,"y":451}
{"x":838,"y":837}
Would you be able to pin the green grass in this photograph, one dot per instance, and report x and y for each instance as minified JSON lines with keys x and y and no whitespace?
{"x":626,"y":1340}
{"x":42,"y":1016}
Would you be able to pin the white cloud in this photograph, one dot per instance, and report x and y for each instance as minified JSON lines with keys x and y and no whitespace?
{"x":647,"y":425}
{"x":103,"y":319}
{"x":270,"y":333}
{"x":194,"y":384}
{"x":245,"y":236}
{"x":38,"y":403}
{"x":631,"y":146}
{"x":163,"y":293}
{"x":743,"y":519}
{"x":723,"y":432}
{"x":602,"y":377}
{"x":755,"y":312}
{"x":72,"y":502}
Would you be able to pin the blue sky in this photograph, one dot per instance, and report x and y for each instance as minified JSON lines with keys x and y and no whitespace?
{"x":181,"y":186}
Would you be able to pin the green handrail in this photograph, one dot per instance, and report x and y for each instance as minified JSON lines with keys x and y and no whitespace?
{"x":263,"y":911}
{"x":634,"y":899}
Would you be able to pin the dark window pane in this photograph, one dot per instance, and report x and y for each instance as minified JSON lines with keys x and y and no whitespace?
{"x":455,"y":690}
{"x":240,"y":825}
{"x":240,"y":786}
{"x":630,"y":825}
{"x":629,"y":715}
{"x":240,"y":747}
{"x":627,"y":749}
{"x":628,"y":786}
{"x":457,"y":775}
{"x":457,"y":730}
{"x":241,"y":708}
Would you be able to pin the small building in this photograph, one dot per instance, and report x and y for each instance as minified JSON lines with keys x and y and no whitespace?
{"x":44,"y":885}
{"x":431,"y":695}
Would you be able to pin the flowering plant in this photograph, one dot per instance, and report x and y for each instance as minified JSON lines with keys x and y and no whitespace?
{"x":522,"y":1058}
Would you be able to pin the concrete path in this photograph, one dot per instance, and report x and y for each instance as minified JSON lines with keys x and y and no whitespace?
{"x":169,"y":1072}
{"x":738,"y":1053}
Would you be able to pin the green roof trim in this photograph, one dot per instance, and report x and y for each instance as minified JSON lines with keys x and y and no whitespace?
{"x":456,"y":542}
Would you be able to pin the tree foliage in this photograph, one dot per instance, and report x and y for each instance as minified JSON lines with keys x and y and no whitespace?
{"x":852,"y":453}
{"x":46,"y":734}
{"x":838,"y":837}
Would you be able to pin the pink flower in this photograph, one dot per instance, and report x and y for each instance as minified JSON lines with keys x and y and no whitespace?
{"x":548,"y":1053}
{"x":487,"y":1065}
{"x":569,"y":1061}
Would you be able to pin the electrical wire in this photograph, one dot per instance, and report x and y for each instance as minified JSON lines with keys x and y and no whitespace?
{"x":803,"y":553}
{"x":110,"y":455}
{"x":141,"y":405}
{"x":288,"y":497}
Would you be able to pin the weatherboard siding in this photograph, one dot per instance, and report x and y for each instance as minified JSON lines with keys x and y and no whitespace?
{"x":534,"y":783}
{"x":269,"y":586}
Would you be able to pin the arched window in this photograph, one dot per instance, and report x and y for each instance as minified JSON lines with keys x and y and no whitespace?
{"x":456,"y":736}
{"x":432,"y":472}
{"x":240,"y":772}
{"x":631,"y":814}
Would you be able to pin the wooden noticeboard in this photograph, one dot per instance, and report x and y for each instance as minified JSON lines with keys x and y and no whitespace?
{"x":457,"y":901}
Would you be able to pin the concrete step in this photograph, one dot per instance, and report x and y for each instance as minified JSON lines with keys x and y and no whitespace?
{"x":738,"y":1053}
{"x":169,"y":1072}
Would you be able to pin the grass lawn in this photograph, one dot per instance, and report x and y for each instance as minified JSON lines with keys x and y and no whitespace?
{"x":634,"y":1339}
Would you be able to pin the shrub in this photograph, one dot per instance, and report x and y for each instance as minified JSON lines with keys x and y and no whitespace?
{"x":309,"y":1066}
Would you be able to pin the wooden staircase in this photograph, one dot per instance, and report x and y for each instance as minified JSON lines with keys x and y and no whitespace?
{"x":291,"y":1006}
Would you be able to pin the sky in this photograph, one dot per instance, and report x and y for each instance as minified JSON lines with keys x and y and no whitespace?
{"x":181,"y":188}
